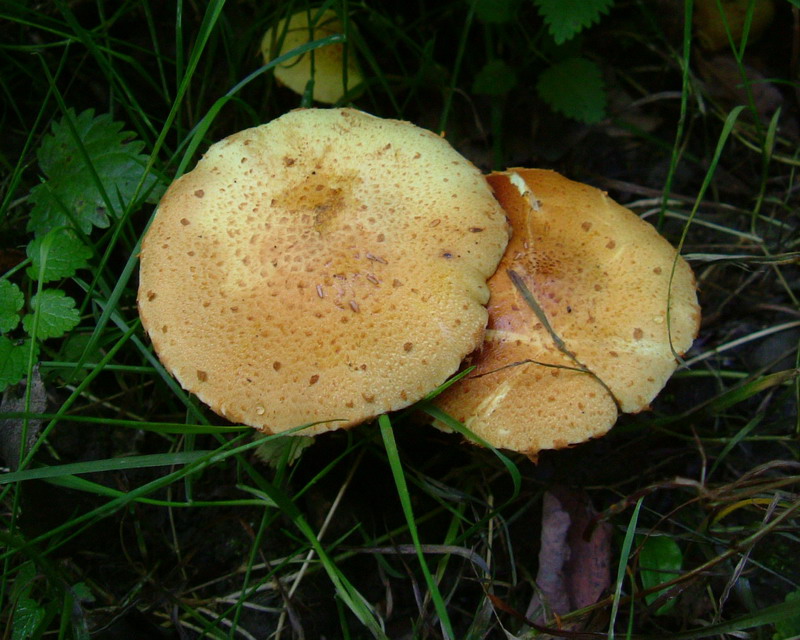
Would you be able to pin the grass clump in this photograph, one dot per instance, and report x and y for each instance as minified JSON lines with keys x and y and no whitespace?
{"x":130,"y":511}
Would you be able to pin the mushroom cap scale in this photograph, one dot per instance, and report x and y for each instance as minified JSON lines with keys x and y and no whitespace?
{"x":326,"y":266}
{"x":603,"y":279}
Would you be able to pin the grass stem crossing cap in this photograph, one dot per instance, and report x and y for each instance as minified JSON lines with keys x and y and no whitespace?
{"x":326,"y":266}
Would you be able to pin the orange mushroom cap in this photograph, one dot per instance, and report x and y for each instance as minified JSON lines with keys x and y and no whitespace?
{"x":589,"y":309}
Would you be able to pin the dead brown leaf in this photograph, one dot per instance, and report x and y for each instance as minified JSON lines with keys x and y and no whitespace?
{"x":574,"y":557}
{"x":732,"y":84}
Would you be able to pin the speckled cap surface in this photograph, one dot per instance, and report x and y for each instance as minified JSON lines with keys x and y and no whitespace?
{"x":600,"y":276}
{"x":326,"y":266}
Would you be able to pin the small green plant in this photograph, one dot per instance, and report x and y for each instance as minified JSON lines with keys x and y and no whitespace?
{"x":574,"y":87}
{"x":93,"y":173}
{"x":572,"y":84}
{"x":660,"y":560}
{"x":552,"y":61}
{"x":569,"y":83}
{"x":29,"y":614}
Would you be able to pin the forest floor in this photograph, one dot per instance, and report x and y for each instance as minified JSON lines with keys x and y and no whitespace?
{"x":131,"y":510}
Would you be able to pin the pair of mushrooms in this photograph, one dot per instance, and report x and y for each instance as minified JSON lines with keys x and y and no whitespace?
{"x":330,"y":266}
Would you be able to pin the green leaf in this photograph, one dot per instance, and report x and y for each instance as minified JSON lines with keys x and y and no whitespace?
{"x":566,"y":18}
{"x":82,"y":593}
{"x":574,"y":87}
{"x":286,"y":450}
{"x":496,"y":11}
{"x":13,"y":361}
{"x":11,"y":301}
{"x":27,"y":617}
{"x":57,"y":314}
{"x":660,"y":560}
{"x":24,"y":580}
{"x":73,"y":350}
{"x":88,"y":169}
{"x":789,"y":627}
{"x":496,"y":78}
{"x":61,"y":252}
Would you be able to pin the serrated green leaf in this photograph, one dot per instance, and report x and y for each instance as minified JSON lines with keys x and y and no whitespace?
{"x":566,"y":18}
{"x":496,"y":78}
{"x":575,"y":88}
{"x":660,"y":560}
{"x":57,"y":314}
{"x":11,"y":301}
{"x":64,"y":253}
{"x":13,"y":361}
{"x":28,"y":615}
{"x":98,"y":159}
{"x":496,"y":11}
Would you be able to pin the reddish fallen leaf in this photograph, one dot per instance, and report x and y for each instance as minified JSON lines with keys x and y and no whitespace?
{"x":574,"y":557}
{"x":725,"y":82}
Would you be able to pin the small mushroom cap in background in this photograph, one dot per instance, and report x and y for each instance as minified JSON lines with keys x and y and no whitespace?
{"x":721,"y":25}
{"x":601,"y":277}
{"x":328,"y":265}
{"x":329,"y":65}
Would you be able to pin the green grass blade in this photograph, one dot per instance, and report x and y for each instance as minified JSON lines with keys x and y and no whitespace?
{"x":762,"y":618}
{"x":405,"y":500}
{"x":173,"y":428}
{"x":513,"y":471}
{"x":625,"y":553}
{"x":345,"y":590}
{"x":111,"y":464}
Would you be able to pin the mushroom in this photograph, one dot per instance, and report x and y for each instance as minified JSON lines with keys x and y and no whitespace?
{"x":329,"y":62}
{"x":589,"y":310}
{"x":325,"y":267}
{"x":720,"y":25}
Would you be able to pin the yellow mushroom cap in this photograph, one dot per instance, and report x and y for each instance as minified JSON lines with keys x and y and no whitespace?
{"x":328,"y":265}
{"x":600,"y":276}
{"x":329,"y":62}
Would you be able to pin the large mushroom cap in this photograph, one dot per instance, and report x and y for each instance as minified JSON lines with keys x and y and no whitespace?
{"x":329,"y":265}
{"x":603,"y":279}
